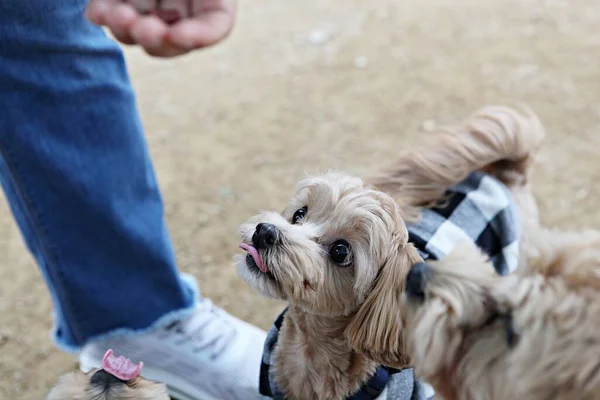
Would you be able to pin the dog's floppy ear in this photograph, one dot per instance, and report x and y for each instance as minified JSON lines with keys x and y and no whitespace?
{"x":376,"y":329}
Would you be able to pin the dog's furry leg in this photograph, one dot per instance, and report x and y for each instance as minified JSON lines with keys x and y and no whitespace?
{"x":573,"y":255}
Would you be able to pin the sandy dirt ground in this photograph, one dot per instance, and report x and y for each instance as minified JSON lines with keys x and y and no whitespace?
{"x":310,"y":85}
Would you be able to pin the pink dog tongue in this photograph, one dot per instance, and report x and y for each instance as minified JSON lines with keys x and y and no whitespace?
{"x":255,"y":256}
{"x":121,"y":367}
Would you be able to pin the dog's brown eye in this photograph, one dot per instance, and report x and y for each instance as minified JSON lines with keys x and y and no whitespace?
{"x":340,"y":253}
{"x":298,"y":215}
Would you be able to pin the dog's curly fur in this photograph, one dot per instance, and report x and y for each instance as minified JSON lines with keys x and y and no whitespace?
{"x":344,"y":321}
{"x":457,"y":334}
{"x":77,"y":386}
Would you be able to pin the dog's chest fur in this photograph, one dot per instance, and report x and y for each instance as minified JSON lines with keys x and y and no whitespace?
{"x":314,"y":361}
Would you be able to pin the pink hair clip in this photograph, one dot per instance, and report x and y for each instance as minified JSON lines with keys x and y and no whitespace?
{"x":121,"y":367}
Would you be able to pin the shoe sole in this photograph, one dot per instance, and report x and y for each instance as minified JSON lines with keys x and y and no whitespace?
{"x":86,"y":364}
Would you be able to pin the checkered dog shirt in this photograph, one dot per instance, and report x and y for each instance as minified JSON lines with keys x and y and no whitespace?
{"x":479,"y":209}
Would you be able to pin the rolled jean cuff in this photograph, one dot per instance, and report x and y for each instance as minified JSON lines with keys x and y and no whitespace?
{"x":190,"y":284}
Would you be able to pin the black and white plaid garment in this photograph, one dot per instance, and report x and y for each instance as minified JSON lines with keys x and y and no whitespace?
{"x":479,"y":209}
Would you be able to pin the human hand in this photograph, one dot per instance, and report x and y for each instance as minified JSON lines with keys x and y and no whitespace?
{"x":165,"y":28}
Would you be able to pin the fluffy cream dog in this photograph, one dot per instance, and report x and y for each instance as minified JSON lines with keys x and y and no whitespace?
{"x":533,"y":335}
{"x":340,"y":251}
{"x":119,"y":379}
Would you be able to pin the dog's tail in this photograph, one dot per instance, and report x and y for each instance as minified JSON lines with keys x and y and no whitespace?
{"x":496,"y":139}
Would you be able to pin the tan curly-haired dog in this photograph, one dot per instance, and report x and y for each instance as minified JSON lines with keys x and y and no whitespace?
{"x":533,"y":335}
{"x":340,"y":251}
{"x":118,"y":379}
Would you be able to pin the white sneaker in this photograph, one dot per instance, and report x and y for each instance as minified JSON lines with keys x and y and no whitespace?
{"x":211,"y":355}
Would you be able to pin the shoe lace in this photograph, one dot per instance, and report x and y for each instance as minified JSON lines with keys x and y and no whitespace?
{"x":208,"y":330}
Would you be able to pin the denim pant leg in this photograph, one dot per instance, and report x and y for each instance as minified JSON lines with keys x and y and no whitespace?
{"x":75,"y":168}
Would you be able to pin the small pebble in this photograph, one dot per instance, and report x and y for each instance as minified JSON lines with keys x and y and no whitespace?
{"x":429,"y":125}
{"x":526,"y":71}
{"x":44,"y":353}
{"x":19,"y":376}
{"x":213,"y":209}
{"x":262,"y":160}
{"x":203,"y":219}
{"x":206,"y":259}
{"x":361,"y":62}
{"x":581,"y":194}
{"x":317,"y":37}
{"x":225,"y":191}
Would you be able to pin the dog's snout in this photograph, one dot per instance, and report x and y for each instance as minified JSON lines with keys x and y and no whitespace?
{"x":415,"y":281}
{"x":265,"y":236}
{"x":104,"y":379}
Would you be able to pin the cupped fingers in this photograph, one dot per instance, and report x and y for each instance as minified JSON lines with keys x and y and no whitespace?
{"x":97,"y":10}
{"x":151,"y":33}
{"x":172,"y":11}
{"x":120,"y":19}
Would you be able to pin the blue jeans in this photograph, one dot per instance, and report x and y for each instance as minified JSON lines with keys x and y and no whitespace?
{"x":75,"y":169}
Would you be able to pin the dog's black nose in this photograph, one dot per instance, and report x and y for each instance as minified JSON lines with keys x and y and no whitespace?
{"x":103,"y":379}
{"x":415,"y":281}
{"x":265,"y":236}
